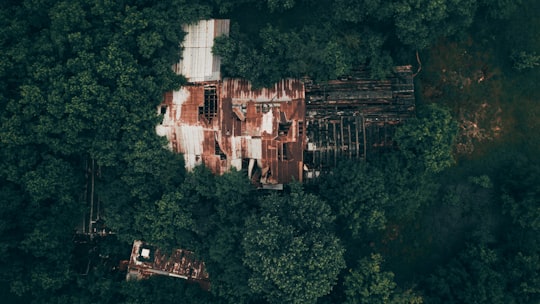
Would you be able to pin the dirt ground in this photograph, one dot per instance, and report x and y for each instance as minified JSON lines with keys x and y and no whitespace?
{"x":471,"y":84}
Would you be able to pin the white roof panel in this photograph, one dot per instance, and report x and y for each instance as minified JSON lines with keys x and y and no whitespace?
{"x":198,"y":64}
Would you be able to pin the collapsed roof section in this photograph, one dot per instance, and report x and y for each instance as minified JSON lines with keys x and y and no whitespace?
{"x":198,"y":63}
{"x":147,"y":260}
{"x":354,"y":117}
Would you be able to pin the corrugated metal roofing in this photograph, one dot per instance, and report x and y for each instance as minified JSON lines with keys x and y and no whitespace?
{"x":198,"y":63}
{"x":241,"y":91}
{"x":147,"y":260}
{"x":244,"y":126}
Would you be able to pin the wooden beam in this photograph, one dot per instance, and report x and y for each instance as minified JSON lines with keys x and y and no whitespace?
{"x":364,"y":133}
{"x":357,"y":137}
{"x":350,"y":143}
{"x":335,"y":143}
{"x":341,"y":129}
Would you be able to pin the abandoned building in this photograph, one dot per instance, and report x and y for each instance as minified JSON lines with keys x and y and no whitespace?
{"x":354,"y":117}
{"x":147,"y":260}
{"x":293,"y":130}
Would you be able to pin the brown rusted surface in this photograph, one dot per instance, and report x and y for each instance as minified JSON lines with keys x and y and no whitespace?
{"x":189,"y":125}
{"x":240,"y":91}
{"x":271,"y":118}
{"x":286,"y":132}
{"x":248,"y":124}
{"x":147,"y":260}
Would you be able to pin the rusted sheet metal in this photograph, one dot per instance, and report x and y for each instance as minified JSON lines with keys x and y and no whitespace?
{"x":279,"y":134}
{"x":147,"y":260}
{"x":267,"y":120}
{"x":241,"y":91}
{"x":189,"y":132}
{"x":230,"y":124}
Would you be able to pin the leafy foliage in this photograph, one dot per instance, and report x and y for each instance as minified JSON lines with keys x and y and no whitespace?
{"x":420,"y":22}
{"x":80,"y":80}
{"x":429,"y":138}
{"x":233,"y":200}
{"x":151,"y":291}
{"x":470,"y":278}
{"x":369,"y":284}
{"x":524,"y":60}
{"x":290,"y":248}
{"x":327,"y":39}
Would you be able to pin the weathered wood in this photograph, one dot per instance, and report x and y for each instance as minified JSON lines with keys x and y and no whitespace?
{"x":364,"y":132}
{"x":350,"y":143}
{"x":372,"y":107}
{"x":357,"y":139}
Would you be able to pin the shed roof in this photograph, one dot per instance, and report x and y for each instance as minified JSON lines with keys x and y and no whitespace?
{"x":147,"y":260}
{"x":355,"y":116}
{"x":241,"y":91}
{"x":198,"y":64}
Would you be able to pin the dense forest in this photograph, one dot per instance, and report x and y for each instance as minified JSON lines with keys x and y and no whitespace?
{"x":452,"y":216}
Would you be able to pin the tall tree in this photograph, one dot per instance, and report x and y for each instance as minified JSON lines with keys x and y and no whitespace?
{"x":368,"y":283}
{"x":472,"y":277}
{"x":419,"y":23}
{"x":80,"y":80}
{"x":233,"y":203}
{"x":428,"y":139}
{"x":357,"y":192}
{"x":291,"y":248}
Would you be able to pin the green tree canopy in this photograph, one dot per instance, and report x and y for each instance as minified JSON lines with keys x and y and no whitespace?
{"x":327,"y":39}
{"x":419,"y":23}
{"x":428,"y":139}
{"x":81,"y":80}
{"x":472,"y":277}
{"x":368,"y":283}
{"x":357,"y":192}
{"x":291,"y":248}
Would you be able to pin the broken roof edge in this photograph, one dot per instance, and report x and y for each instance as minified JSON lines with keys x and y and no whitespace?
{"x":147,"y":260}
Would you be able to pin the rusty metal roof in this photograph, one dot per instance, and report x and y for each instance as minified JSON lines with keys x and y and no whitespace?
{"x":240,"y":91}
{"x":147,"y":260}
{"x":280,"y":133}
{"x":230,"y":124}
{"x":286,"y":132}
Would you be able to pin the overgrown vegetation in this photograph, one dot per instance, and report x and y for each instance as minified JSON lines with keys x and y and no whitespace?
{"x":453,"y":216}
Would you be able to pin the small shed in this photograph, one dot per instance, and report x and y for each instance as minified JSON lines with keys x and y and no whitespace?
{"x":147,"y":260}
